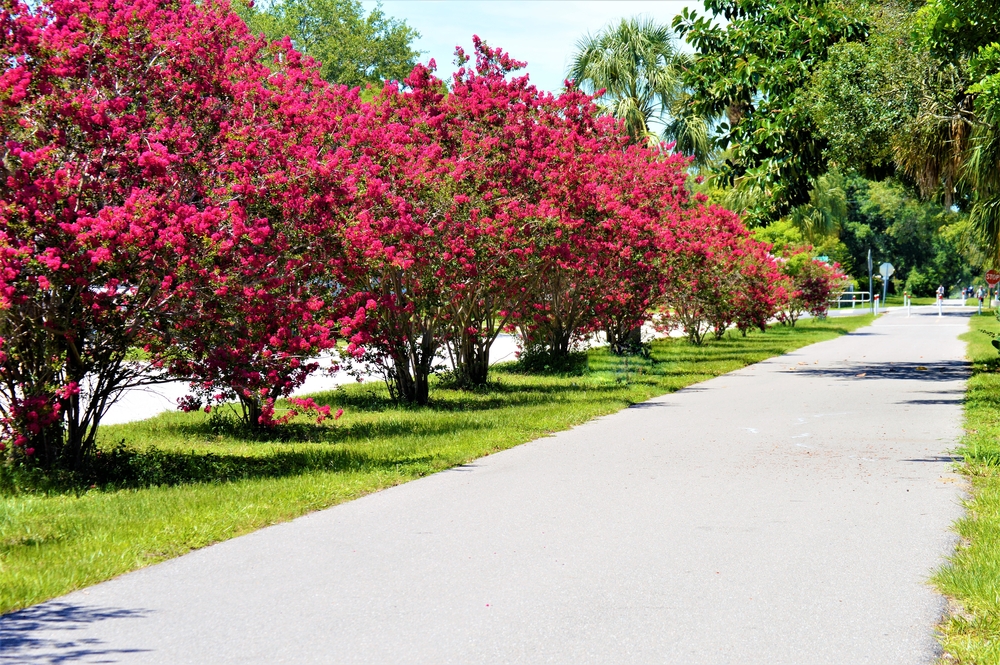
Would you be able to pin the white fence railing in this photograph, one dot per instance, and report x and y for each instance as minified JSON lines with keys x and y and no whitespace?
{"x":851,"y":299}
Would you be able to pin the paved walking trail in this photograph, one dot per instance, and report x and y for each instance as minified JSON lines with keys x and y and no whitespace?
{"x":790,"y":512}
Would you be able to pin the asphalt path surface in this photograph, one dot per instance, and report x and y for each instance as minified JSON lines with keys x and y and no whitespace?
{"x":790,"y":512}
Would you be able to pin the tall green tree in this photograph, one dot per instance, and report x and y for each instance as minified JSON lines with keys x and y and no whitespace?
{"x":969,"y":31}
{"x":825,"y":213}
{"x":353,"y":47}
{"x":751,"y":71}
{"x":865,"y":92}
{"x":889,"y":107}
{"x":638,"y":65}
{"x":924,"y":240}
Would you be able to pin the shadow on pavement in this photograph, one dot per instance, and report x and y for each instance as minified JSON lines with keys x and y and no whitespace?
{"x":932,"y":313}
{"x":936,"y":458}
{"x":948,"y":370}
{"x":649,"y":405}
{"x":23,"y":640}
{"x":953,"y":400}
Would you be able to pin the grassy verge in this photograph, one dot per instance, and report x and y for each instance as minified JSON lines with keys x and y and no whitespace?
{"x":194,"y":482}
{"x":971,"y":634}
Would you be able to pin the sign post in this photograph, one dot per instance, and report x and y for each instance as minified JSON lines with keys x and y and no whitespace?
{"x":870,"y":282}
{"x":886,"y":271}
{"x":992,"y":278}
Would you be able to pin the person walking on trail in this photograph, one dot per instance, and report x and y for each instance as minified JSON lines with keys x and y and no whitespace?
{"x":940,"y":291}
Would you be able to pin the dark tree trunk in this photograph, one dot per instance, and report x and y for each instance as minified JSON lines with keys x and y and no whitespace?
{"x":412,"y":370}
{"x":412,"y":383}
{"x":252,"y":411}
{"x":623,"y":340}
{"x":472,"y":360}
{"x":560,"y":343}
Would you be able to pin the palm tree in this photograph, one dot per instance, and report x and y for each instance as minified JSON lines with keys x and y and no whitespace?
{"x":826,"y":211}
{"x":637,"y":64}
{"x":932,"y":146}
{"x":952,"y":149}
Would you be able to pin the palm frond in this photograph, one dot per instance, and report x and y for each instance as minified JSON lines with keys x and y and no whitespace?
{"x":637,"y":63}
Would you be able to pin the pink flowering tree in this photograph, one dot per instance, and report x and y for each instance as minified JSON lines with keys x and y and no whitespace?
{"x":718,"y":276}
{"x":811,"y":284}
{"x":650,"y":191}
{"x":452,"y":249}
{"x":257,"y":336}
{"x":139,"y":137}
{"x":399,"y":251}
{"x":576,"y":228}
{"x":603,"y":269}
{"x":760,"y":290}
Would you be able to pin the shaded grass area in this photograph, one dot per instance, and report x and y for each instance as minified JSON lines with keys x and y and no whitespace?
{"x":971,"y":633}
{"x":188,"y":480}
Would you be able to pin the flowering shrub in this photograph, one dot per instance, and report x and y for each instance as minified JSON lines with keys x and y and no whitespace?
{"x":603,"y":267}
{"x":459,"y":240}
{"x":718,"y":276}
{"x":153,"y":156}
{"x":811,"y":284}
{"x":760,"y":291}
{"x":300,"y":406}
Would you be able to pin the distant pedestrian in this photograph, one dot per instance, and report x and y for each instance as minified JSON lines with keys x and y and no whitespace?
{"x":940,"y":291}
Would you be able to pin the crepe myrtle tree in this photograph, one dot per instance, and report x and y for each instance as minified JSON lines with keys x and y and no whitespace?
{"x":811,"y":284}
{"x":650,"y":191}
{"x":395,"y":250}
{"x":138,"y":137}
{"x":280,"y":300}
{"x":718,"y":276}
{"x":510,"y":130}
{"x":759,"y":290}
{"x":455,"y":247}
{"x":616,"y":203}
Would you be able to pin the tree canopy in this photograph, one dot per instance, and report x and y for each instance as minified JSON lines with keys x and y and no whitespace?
{"x":353,"y":48}
{"x":637,"y":64}
{"x":967,"y":33}
{"x":751,"y":72}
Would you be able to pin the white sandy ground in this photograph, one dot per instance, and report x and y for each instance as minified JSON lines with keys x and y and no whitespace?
{"x":787,"y":513}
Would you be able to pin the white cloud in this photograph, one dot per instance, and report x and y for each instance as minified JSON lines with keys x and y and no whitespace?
{"x":542,"y":32}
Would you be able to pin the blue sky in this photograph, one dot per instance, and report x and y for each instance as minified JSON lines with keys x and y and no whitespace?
{"x":543,"y":32}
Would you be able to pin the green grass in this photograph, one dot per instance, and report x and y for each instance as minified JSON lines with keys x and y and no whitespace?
{"x":971,"y":634}
{"x":191,"y":482}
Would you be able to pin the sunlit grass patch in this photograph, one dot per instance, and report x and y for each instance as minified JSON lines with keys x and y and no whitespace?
{"x":971,"y":633}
